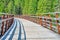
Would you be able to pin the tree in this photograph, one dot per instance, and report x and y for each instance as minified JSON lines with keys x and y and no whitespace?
{"x":29,"y":7}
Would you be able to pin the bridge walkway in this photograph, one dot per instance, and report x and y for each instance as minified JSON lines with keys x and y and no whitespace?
{"x":37,"y":32}
{"x":23,"y":29}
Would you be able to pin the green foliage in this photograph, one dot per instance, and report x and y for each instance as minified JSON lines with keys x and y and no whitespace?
{"x":28,"y":7}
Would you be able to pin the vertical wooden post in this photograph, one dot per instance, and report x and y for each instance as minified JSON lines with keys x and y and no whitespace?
{"x":40,"y":20}
{"x":12,"y":18}
{"x":45,"y":21}
{"x":50,"y":21}
{"x":59,"y":29}
{"x":51,"y":25}
{"x":58,"y":26}
{"x":6,"y":23}
{"x":2,"y":25}
{"x":9,"y":20}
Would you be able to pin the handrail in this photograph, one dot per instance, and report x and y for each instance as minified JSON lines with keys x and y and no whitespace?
{"x":6,"y":14}
{"x":6,"y":21}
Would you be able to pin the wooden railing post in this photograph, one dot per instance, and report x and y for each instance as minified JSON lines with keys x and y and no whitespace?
{"x":58,"y":26}
{"x":9,"y":20}
{"x":41,"y":21}
{"x":12,"y":18}
{"x":45,"y":21}
{"x":6,"y":23}
{"x":51,"y":25}
{"x":2,"y":32}
{"x":50,"y":21}
{"x":0,"y":27}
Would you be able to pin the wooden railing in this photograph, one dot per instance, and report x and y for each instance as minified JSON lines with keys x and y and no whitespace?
{"x":6,"y":21}
{"x":47,"y":20}
{"x":52,"y":23}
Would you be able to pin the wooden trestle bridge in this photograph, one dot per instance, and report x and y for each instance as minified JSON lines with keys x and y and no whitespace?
{"x":16,"y":28}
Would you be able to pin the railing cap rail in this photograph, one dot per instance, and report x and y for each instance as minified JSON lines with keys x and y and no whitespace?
{"x":6,"y":14}
{"x":57,"y":12}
